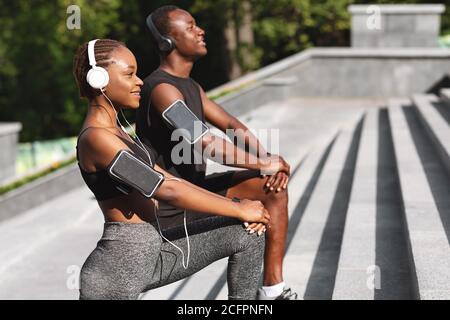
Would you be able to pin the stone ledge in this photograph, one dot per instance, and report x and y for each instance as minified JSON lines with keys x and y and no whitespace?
{"x":399,"y":9}
{"x":39,"y":191}
{"x":381,"y":52}
{"x":9,"y":128}
{"x":280,"y":81}
{"x":336,"y":52}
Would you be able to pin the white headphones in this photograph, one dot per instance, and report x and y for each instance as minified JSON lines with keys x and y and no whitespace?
{"x":97,"y":77}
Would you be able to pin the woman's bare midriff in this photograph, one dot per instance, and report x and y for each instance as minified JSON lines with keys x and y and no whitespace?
{"x":132,"y":208}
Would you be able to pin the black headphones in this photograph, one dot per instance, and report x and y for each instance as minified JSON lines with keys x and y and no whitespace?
{"x":165,"y":44}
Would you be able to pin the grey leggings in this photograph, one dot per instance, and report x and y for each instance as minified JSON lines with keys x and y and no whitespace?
{"x":132,"y":258}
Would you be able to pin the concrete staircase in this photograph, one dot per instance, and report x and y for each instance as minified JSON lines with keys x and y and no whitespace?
{"x":422,"y":143}
{"x":394,"y":236}
{"x":369,"y":207}
{"x":397,"y":228}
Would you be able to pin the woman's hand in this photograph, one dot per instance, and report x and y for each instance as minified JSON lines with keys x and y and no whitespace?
{"x":256,"y":227}
{"x":253,"y":211}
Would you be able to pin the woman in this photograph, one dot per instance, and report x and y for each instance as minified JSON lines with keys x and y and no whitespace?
{"x":132,"y":256}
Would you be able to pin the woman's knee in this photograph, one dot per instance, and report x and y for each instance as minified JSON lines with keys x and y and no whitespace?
{"x":115,"y":278}
{"x":104,"y":289}
{"x":250,"y":242}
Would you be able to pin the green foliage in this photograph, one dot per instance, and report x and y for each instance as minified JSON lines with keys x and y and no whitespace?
{"x":285,"y":27}
{"x":36,"y":82}
{"x":36,"y":48}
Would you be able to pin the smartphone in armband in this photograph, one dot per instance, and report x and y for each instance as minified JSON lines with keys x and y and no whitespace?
{"x":179,"y":116}
{"x":135,"y":173}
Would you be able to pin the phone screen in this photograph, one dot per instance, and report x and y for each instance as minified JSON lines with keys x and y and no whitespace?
{"x":181,"y":117}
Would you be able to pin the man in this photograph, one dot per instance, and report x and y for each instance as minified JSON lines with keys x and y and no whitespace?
{"x":180,"y":43}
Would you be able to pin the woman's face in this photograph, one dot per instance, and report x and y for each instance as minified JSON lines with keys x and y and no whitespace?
{"x":124,"y":87}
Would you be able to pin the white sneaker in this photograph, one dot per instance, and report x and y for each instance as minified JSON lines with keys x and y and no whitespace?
{"x":287,"y":294}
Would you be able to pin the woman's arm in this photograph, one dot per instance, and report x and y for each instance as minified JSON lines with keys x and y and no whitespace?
{"x":183,"y":194}
{"x":102,"y":147}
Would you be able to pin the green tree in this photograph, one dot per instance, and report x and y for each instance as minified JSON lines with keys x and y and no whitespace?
{"x":285,"y":27}
{"x":36,"y":48}
{"x":36,"y":82}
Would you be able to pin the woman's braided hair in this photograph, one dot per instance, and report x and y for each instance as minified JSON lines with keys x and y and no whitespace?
{"x":103,"y":49}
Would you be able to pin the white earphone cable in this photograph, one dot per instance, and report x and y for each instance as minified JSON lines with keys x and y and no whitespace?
{"x":185,"y":266}
{"x":140,"y":144}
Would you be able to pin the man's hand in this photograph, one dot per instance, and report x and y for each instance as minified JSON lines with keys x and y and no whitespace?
{"x":278,"y":170}
{"x":273,"y":164}
{"x":277,"y":182}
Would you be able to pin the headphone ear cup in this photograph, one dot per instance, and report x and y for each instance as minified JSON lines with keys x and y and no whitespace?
{"x":97,"y":77}
{"x":167,"y":44}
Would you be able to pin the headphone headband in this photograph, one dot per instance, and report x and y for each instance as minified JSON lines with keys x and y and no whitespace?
{"x":165,"y":44}
{"x":155,"y":32}
{"x":91,"y":52}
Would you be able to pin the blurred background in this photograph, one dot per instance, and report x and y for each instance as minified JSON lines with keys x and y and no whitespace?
{"x":38,"y":90}
{"x":358,"y":92}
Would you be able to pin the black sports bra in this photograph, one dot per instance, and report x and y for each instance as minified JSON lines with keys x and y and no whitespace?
{"x":100,"y":182}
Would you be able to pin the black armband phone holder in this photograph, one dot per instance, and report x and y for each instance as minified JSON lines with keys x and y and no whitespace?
{"x":179,"y":116}
{"x":132,"y":172}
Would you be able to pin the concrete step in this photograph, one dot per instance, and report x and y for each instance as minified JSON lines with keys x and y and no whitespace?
{"x":314,"y":237}
{"x":358,"y":243}
{"x":445,"y":96}
{"x":435,"y":125}
{"x":427,"y":238}
{"x":372,"y":264}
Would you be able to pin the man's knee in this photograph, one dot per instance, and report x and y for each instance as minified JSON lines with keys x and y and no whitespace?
{"x":279,"y":198}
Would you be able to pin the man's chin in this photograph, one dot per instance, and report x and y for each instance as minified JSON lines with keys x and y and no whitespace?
{"x":201,"y":54}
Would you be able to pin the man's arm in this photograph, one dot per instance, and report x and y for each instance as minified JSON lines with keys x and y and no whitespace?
{"x":221,"y":119}
{"x":163,"y":95}
{"x":217,"y":116}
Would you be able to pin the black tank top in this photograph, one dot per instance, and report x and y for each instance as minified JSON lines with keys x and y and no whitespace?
{"x":156,"y":133}
{"x":100,"y":182}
